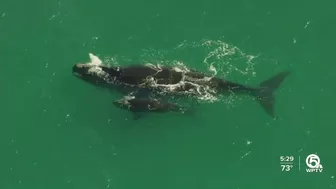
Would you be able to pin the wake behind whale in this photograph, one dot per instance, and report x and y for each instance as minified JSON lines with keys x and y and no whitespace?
{"x":175,"y":81}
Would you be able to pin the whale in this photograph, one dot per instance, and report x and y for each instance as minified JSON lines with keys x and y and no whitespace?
{"x":135,"y":105}
{"x":156,"y":79}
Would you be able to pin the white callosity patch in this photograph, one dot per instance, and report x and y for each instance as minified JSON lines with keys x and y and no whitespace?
{"x":98,"y":71}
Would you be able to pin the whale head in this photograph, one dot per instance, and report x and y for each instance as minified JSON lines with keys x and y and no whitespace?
{"x":95,"y":72}
{"x":91,"y":73}
{"x":124,"y":103}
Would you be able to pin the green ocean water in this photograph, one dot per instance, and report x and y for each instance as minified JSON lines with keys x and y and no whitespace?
{"x":59,"y":132}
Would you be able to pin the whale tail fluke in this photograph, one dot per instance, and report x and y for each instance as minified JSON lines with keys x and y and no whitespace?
{"x":265,"y":93}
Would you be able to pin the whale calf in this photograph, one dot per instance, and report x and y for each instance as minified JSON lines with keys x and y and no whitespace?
{"x":159,"y":78}
{"x":137,"y":105}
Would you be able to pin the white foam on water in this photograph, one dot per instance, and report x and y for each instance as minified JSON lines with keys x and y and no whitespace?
{"x":227,"y":57}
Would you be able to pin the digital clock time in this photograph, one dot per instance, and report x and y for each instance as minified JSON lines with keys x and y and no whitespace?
{"x":286,"y":158}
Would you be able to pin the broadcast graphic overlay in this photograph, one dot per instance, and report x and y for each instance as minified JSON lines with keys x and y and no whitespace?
{"x":312,"y":164}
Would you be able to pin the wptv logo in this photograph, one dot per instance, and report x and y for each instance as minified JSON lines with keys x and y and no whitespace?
{"x":314,"y":164}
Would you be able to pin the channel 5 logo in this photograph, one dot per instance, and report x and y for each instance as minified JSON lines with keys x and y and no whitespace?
{"x":313,"y":163}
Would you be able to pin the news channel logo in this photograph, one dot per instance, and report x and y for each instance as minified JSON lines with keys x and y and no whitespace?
{"x":313,"y":163}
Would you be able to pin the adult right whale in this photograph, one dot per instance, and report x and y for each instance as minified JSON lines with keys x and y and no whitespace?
{"x":161,"y":78}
